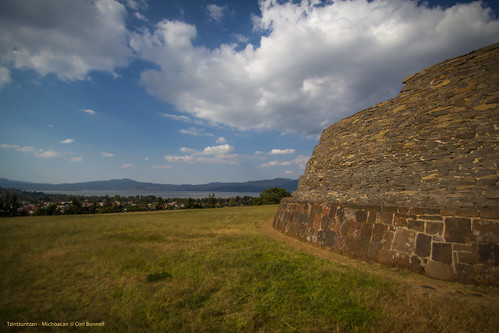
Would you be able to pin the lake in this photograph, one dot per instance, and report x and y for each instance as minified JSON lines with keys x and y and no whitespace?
{"x":163,"y":194}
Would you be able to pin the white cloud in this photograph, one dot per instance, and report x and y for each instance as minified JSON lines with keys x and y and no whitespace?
{"x":136,"y":4}
{"x":23,"y":149}
{"x":76,"y":159}
{"x":4,"y":77}
{"x":7,"y":146}
{"x":188,"y":150}
{"x":65,"y":38}
{"x":315,"y":62}
{"x":218,"y":150}
{"x":221,"y":140}
{"x":146,"y":159}
{"x":240,"y":38}
{"x":128,"y":165}
{"x":67,"y":141}
{"x":107,"y":154}
{"x":89,"y":111}
{"x":213,"y":154}
{"x":140,"y":16}
{"x":47,"y":154}
{"x":173,"y":116}
{"x":176,"y":158}
{"x":300,"y":161}
{"x":194,"y":131}
{"x":276,"y":163}
{"x":282,"y":151}
{"x":30,"y":149}
{"x":27,"y":149}
{"x":215,"y":12}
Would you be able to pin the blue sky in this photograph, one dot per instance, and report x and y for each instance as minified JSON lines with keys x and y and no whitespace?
{"x":203,"y":91}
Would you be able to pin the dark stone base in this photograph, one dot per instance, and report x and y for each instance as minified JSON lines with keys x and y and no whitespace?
{"x":449,"y":244}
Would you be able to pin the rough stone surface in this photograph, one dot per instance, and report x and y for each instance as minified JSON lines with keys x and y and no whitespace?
{"x":404,"y":240}
{"x":473,"y":261}
{"x":458,"y":230}
{"x":440,"y":271}
{"x":433,"y":145}
{"x":412,"y":182}
{"x":423,"y":245}
{"x":442,"y":252}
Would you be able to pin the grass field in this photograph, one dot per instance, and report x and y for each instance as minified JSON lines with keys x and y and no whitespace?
{"x":209,"y":270}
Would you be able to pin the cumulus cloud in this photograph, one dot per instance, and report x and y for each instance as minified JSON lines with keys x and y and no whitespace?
{"x":223,"y":153}
{"x":65,"y":38}
{"x":76,"y":159}
{"x":67,"y":141}
{"x":128,"y":165}
{"x":315,"y":62}
{"x":107,"y":154}
{"x":218,"y":150}
{"x":30,"y":149}
{"x":215,"y":12}
{"x":281,"y":151}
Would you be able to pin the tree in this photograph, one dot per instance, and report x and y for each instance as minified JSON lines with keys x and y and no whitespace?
{"x":107,"y":206}
{"x":190,"y":203}
{"x":160,"y":203}
{"x":211,"y":202}
{"x":271,"y":196}
{"x":233,"y":202}
{"x":10,"y":205}
{"x":74,"y":208}
{"x":94,"y":205}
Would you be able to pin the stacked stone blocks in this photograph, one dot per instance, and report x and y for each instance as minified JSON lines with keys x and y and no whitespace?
{"x":450,"y":244}
{"x":433,"y":145}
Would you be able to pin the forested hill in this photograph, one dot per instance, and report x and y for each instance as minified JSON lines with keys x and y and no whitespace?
{"x":126,"y":184}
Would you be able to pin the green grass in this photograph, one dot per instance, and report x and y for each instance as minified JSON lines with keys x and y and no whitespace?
{"x":206,"y":270}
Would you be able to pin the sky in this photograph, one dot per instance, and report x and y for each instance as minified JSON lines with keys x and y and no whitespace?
{"x":192,"y":92}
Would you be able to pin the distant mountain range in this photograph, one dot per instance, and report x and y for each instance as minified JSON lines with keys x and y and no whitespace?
{"x":126,"y":184}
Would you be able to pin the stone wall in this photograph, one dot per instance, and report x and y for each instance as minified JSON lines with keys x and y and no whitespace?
{"x":412,"y":182}
{"x":450,"y":244}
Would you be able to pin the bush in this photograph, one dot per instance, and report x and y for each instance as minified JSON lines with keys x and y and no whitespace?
{"x":271,"y":196}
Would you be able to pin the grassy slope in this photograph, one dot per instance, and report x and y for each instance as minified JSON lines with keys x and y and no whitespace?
{"x":200,"y":270}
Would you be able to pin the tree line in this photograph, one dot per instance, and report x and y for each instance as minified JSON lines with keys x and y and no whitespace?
{"x":15,"y":202}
